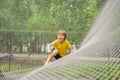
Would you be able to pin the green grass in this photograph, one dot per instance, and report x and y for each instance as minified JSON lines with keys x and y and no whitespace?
{"x":89,"y":70}
{"x":99,"y":71}
{"x":18,"y":65}
{"x":13,"y":67}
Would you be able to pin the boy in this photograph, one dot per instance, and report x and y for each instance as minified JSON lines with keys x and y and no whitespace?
{"x":60,"y":47}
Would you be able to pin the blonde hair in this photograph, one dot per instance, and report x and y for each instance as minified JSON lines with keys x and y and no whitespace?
{"x":63,"y":32}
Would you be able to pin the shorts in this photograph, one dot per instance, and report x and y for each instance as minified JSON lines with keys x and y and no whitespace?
{"x":57,"y":56}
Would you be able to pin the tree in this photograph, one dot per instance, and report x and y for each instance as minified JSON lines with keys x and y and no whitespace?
{"x":41,"y":16}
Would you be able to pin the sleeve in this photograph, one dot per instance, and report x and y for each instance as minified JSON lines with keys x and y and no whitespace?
{"x":54,"y":42}
{"x":69,"y":45}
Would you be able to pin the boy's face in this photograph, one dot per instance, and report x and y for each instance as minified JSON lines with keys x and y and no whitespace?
{"x":61,"y":37}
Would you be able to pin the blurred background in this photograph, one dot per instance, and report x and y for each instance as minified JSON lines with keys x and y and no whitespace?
{"x":27,"y":26}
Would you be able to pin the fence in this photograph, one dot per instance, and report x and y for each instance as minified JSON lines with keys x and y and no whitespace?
{"x":25,"y":50}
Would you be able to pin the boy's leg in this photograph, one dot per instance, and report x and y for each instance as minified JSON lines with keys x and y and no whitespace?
{"x":51,"y":56}
{"x":57,"y":56}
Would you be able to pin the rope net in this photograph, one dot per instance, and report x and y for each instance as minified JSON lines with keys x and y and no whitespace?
{"x":98,"y":57}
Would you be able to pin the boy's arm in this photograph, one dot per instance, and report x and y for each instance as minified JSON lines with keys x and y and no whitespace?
{"x":70,"y":50}
{"x":51,"y":44}
{"x":70,"y":47}
{"x":49,"y":47}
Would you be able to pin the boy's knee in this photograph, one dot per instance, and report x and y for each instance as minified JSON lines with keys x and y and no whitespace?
{"x":54,"y":52}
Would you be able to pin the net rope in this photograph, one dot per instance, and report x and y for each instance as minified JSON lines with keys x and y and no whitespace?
{"x":98,"y":58}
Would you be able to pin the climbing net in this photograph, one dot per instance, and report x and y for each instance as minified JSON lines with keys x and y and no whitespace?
{"x":98,"y":58}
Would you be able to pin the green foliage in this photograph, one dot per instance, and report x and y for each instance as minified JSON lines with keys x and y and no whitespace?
{"x":74,"y":16}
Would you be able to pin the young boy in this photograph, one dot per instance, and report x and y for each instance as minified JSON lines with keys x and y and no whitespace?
{"x":60,"y":47}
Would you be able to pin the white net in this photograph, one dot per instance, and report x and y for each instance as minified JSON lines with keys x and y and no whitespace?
{"x":98,"y":58}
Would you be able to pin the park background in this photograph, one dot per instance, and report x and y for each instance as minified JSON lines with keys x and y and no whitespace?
{"x":27,"y":26}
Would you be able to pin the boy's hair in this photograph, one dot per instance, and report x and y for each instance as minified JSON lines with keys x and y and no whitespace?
{"x":63,"y":32}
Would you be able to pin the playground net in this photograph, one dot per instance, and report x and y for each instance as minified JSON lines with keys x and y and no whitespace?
{"x":98,"y":58}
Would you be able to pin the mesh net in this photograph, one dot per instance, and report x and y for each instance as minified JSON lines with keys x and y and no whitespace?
{"x":98,"y":57}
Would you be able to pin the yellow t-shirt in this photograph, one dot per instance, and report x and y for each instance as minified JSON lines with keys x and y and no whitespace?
{"x":62,"y":47}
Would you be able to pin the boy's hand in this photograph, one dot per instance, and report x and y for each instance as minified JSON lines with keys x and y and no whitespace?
{"x":49,"y":51}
